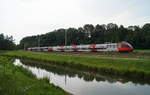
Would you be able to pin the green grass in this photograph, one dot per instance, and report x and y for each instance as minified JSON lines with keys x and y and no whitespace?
{"x":142,"y":51}
{"x":136,"y":67}
{"x":16,"y":80}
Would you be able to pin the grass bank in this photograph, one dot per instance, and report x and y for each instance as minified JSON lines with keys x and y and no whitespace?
{"x":130,"y":67}
{"x":146,"y":51}
{"x":16,"y":80}
{"x":85,"y":74}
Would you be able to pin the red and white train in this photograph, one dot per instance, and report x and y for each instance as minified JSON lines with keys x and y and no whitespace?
{"x":121,"y":47}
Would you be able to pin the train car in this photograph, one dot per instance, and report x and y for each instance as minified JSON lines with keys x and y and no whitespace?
{"x":120,"y":47}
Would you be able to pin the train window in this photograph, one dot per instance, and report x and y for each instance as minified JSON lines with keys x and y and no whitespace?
{"x":75,"y":48}
{"x":67,"y":48}
{"x":84,"y":48}
{"x":108,"y":46}
{"x":114,"y":46}
{"x":100,"y":47}
{"x":111,"y":46}
{"x":119,"y":46}
{"x":125,"y":46}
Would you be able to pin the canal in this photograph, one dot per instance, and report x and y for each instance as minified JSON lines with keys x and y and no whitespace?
{"x":82,"y":82}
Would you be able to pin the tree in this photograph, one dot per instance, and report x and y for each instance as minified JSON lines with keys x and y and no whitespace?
{"x":98,"y":34}
{"x":89,"y":28}
{"x":6,"y":42}
{"x":88,"y":34}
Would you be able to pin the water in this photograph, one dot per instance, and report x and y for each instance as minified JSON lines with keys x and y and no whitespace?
{"x":85,"y":83}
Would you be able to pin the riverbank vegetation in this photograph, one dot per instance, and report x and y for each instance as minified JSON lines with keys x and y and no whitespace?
{"x":130,"y":67}
{"x":16,"y":80}
{"x":85,"y":74}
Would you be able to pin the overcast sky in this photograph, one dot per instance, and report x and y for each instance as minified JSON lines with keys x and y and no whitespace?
{"x":21,"y":18}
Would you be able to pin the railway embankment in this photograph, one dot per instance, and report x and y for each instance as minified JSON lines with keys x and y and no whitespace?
{"x":133,"y":67}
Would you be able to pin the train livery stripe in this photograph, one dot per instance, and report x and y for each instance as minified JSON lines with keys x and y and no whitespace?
{"x":92,"y":48}
{"x":123,"y":46}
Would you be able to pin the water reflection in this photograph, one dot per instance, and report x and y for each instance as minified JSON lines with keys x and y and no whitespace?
{"x":81,"y":82}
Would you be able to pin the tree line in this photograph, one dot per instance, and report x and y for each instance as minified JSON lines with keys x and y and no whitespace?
{"x":6,"y":42}
{"x":138,"y":36}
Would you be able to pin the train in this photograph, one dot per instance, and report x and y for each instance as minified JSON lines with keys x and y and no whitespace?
{"x":118,"y":47}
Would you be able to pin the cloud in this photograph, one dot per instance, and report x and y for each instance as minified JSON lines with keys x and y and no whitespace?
{"x":22,"y":18}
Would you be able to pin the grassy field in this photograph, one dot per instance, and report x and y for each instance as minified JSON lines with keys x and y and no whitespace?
{"x":19,"y":81}
{"x":133,"y":67}
{"x":142,"y":51}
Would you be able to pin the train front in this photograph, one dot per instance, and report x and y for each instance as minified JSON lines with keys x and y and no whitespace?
{"x":125,"y":47}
